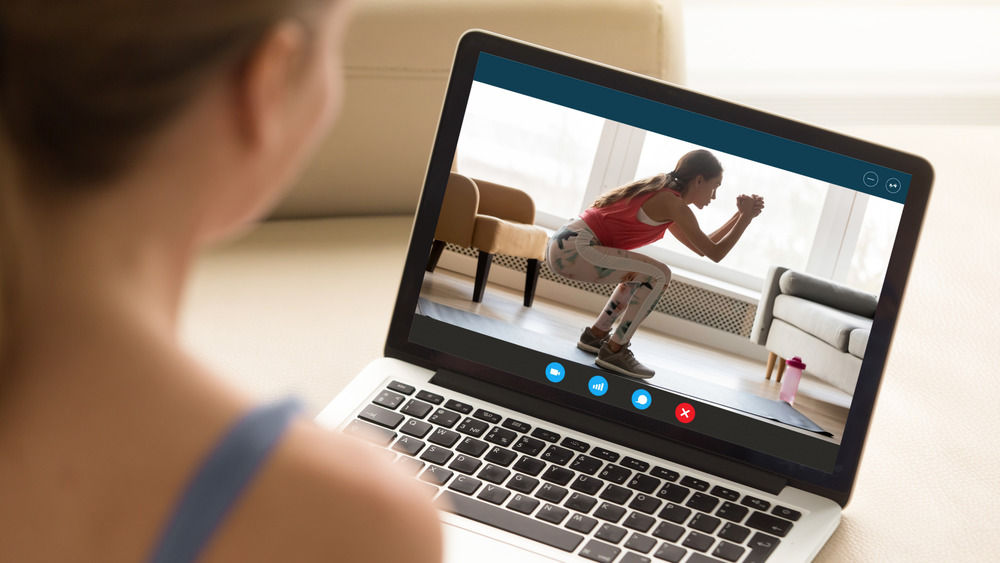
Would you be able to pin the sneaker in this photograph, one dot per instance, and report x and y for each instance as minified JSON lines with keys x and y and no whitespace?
{"x":623,"y":362}
{"x":590,"y":343}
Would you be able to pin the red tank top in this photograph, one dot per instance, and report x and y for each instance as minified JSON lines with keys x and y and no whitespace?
{"x":618,"y":226}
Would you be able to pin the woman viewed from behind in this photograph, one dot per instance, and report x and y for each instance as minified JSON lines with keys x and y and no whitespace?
{"x":132,"y":134}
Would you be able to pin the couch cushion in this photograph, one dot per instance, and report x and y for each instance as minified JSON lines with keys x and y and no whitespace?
{"x":858,"y":342}
{"x":497,"y":236}
{"x":826,"y":323}
{"x":828,"y":293}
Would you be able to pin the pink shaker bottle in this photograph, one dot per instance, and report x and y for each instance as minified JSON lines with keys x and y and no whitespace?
{"x":791,"y":379}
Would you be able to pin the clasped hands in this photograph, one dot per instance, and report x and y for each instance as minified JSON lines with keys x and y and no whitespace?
{"x":750,"y":205}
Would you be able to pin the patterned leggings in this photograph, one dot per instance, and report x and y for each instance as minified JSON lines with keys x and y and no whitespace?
{"x":575,"y":253}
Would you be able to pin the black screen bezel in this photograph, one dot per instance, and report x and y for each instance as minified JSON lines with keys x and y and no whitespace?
{"x":836,"y":485}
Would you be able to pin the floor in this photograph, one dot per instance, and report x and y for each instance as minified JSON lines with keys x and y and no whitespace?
{"x":821,"y":402}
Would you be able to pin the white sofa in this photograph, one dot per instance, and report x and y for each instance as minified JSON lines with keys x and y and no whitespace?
{"x":298,"y":306}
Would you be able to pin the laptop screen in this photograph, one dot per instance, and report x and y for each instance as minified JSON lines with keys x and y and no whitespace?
{"x":821,"y":230}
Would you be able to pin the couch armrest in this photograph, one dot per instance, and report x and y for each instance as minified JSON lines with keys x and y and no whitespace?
{"x":829,"y":293}
{"x":457,"y":220}
{"x":765,"y":308}
{"x":506,"y":203}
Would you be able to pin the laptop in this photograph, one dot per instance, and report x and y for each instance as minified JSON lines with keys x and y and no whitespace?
{"x":532,"y":451}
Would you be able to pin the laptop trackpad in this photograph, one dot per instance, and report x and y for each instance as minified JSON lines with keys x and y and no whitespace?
{"x":459,"y":543}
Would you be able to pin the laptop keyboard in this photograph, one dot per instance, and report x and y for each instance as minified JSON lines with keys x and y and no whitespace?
{"x":561,"y":491}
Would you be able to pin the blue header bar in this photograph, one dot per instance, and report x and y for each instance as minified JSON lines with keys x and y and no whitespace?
{"x":708,"y":132}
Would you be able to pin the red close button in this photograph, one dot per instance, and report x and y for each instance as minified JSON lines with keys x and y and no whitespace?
{"x":684,"y":412}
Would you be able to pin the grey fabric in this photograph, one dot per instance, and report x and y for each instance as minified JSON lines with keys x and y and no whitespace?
{"x":828,"y":293}
{"x":859,"y":342}
{"x":839,"y":369}
{"x":762,"y":320}
{"x":826,"y":323}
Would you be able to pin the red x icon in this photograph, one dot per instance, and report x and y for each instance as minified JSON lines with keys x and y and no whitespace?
{"x":684,"y":413}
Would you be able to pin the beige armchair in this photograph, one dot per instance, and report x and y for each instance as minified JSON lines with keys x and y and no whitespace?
{"x":492,"y":219}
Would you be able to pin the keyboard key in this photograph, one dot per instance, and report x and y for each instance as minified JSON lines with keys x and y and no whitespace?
{"x":606,"y":455}
{"x":728,"y":551}
{"x":611,"y":533}
{"x":761,"y":546}
{"x":733,"y":512}
{"x":529,"y":446}
{"x":668,"y":531}
{"x":574,"y":444}
{"x":769,"y":524}
{"x":609,"y":512}
{"x":670,"y":552}
{"x":389,"y":400}
{"x":409,"y":465}
{"x":443,"y":437}
{"x":409,"y":446}
{"x":435,"y":454}
{"x":580,"y":502}
{"x":695,"y":483}
{"x":640,"y":543}
{"x":472,"y":427}
{"x":552,"y":513}
{"x":725,"y":493}
{"x":494,"y":474}
{"x":500,"y":456}
{"x":705,"y":523}
{"x":494,"y":494}
{"x":381,"y":416}
{"x":644,"y":483}
{"x":673,"y":492}
{"x":585,"y":484}
{"x":523,"y":483}
{"x":529,"y":465}
{"x":458,"y":406}
{"x":586,"y":464}
{"x":523,"y":504}
{"x":754,"y":502}
{"x":488,"y":416}
{"x":598,"y":551}
{"x":551,"y":493}
{"x":501,"y":436}
{"x":510,"y":521}
{"x":401,"y":387}
{"x":415,"y":428}
{"x":369,"y":432}
{"x":698,"y":541}
{"x":436,"y":475}
{"x":665,"y":474}
{"x":674,"y":513}
{"x":581,"y":523}
{"x":645,"y":503}
{"x":415,"y":408}
{"x":639,"y":521}
{"x":430,"y":397}
{"x":615,"y":474}
{"x":734,"y":532}
{"x":465,"y":484}
{"x":635,"y":464}
{"x":557,"y":455}
{"x":443,"y":417}
{"x":635,"y":558}
{"x":702,"y":502}
{"x":547,"y":435}
{"x":465,"y":464}
{"x":472,"y":447}
{"x":517,"y":425}
{"x":558,"y":475}
{"x":792,"y":515}
{"x":616,"y":494}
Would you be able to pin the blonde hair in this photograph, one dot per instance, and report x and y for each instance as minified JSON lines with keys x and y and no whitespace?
{"x":693,"y":164}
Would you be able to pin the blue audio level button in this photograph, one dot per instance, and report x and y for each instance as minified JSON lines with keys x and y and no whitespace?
{"x":597,"y":385}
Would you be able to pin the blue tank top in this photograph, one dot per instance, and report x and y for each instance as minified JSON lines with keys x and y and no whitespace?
{"x":220,"y":480}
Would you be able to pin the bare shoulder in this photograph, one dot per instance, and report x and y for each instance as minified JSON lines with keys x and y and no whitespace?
{"x":665,"y":206}
{"x":323,"y":497}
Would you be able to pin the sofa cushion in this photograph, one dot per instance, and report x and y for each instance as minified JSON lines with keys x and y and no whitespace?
{"x":497,"y":236}
{"x":858,"y":342}
{"x":826,"y":323}
{"x":828,"y":293}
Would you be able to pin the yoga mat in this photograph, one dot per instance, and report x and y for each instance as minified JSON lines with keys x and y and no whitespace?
{"x":778,"y":411}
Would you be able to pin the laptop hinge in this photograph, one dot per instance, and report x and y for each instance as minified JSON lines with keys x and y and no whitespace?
{"x":602,"y":428}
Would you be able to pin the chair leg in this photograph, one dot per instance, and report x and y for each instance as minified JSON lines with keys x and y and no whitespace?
{"x":482,"y":272}
{"x":437,"y":247}
{"x":531,"y":280}
{"x":781,"y":368}
{"x":771,"y":358}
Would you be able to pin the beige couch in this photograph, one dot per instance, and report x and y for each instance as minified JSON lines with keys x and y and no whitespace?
{"x":298,"y":306}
